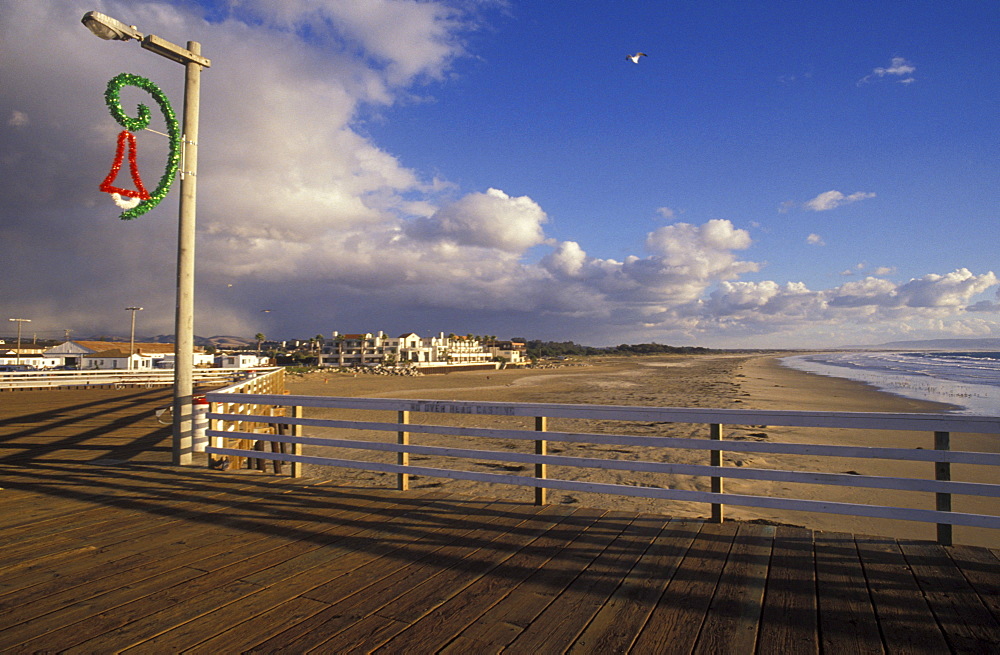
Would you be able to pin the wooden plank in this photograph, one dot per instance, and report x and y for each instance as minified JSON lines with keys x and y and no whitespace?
{"x":435,"y":628}
{"x":730,"y":625}
{"x":617,"y":624}
{"x":377,"y":583}
{"x":789,"y":622}
{"x":764,"y":447}
{"x":139,"y":537}
{"x":109,"y":590}
{"x":365,"y":636}
{"x":681,"y":610}
{"x":854,"y":420}
{"x":566,"y":616}
{"x":184,"y":608}
{"x":847,"y":621}
{"x":83,"y":620}
{"x":239,"y":636}
{"x":906,"y":621}
{"x":966,"y":623}
{"x":473,"y":565}
{"x":981,"y":569}
{"x":337,"y":560}
{"x":506,"y":619}
{"x":172,"y":550}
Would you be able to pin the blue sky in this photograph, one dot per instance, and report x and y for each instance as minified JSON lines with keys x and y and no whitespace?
{"x":771,"y":174}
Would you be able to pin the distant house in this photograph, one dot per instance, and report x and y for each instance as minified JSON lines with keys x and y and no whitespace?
{"x":241,"y":360}
{"x":26,"y":357}
{"x":117,"y":360}
{"x":514,"y":352}
{"x":72,"y":354}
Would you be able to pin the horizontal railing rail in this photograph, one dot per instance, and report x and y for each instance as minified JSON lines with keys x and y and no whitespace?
{"x":25,"y":380}
{"x":226,"y":421}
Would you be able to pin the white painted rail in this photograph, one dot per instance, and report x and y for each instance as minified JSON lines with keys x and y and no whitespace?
{"x":224,"y":420}
{"x":24,"y":380}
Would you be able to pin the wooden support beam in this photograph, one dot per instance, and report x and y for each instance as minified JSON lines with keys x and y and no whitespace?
{"x":942,"y":471}
{"x":541,"y":470}
{"x":715,"y":434}
{"x":403,"y":458}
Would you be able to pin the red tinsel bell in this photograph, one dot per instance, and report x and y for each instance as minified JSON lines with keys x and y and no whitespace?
{"x":108,"y":184}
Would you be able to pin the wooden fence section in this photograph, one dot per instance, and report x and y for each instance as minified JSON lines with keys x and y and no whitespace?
{"x":940,"y":490}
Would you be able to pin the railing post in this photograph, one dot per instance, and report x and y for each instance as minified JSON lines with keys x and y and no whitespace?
{"x":942,"y":471}
{"x":715,"y":434}
{"x":297,"y":447}
{"x":541,"y":448}
{"x":214,"y":442}
{"x":403,"y":458}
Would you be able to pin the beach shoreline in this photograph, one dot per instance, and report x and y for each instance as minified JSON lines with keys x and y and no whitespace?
{"x":723,"y":381}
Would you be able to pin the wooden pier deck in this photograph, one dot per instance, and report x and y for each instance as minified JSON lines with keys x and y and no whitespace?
{"x":107,"y":547}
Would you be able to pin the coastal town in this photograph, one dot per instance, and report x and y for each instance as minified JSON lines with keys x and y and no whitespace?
{"x":356,"y":350}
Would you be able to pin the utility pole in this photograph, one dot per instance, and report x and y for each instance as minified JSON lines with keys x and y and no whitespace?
{"x":131,"y":340}
{"x":17,"y":359}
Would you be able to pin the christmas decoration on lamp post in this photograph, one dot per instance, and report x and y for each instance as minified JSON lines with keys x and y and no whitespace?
{"x":183,"y":146}
{"x":139,"y":200}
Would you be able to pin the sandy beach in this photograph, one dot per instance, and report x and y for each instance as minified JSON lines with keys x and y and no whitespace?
{"x":710,"y":381}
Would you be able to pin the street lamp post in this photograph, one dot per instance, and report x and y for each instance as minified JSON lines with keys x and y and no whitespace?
{"x":17,"y":356}
{"x":131,"y":339}
{"x":111,"y":29}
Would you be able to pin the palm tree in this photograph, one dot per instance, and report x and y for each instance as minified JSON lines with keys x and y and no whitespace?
{"x":260,"y":339}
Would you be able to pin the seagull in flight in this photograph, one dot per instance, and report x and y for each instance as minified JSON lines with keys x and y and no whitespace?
{"x":635,"y":57}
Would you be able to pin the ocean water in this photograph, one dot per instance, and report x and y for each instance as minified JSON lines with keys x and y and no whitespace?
{"x":969,"y":380}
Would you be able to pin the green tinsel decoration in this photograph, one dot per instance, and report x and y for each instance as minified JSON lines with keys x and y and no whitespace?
{"x":112,"y":96}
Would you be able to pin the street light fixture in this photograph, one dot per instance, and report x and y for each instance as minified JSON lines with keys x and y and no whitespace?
{"x":131,"y":340}
{"x":114,"y":30}
{"x":17,"y":357}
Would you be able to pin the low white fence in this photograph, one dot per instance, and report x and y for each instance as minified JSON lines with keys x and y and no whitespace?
{"x":25,"y":380}
{"x":226,"y":416}
{"x":248,"y":433}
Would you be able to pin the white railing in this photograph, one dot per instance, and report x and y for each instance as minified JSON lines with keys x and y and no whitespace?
{"x":24,"y":380}
{"x":225,"y":422}
{"x":240,"y":399}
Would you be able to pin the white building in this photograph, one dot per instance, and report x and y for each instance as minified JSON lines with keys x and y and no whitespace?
{"x":74,"y":354}
{"x":117,"y":360}
{"x":242,"y":360}
{"x":25,"y":357}
{"x":370,"y":349}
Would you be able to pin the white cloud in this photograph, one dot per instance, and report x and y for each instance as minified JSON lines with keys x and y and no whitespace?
{"x":567,"y":260}
{"x":815,"y":240}
{"x":898,"y":67}
{"x":403,"y":38}
{"x":666,"y":212}
{"x":490,"y":220}
{"x":951,"y":290}
{"x":833,"y":199}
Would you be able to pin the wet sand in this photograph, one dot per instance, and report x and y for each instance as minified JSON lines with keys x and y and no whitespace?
{"x":708,"y":381}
